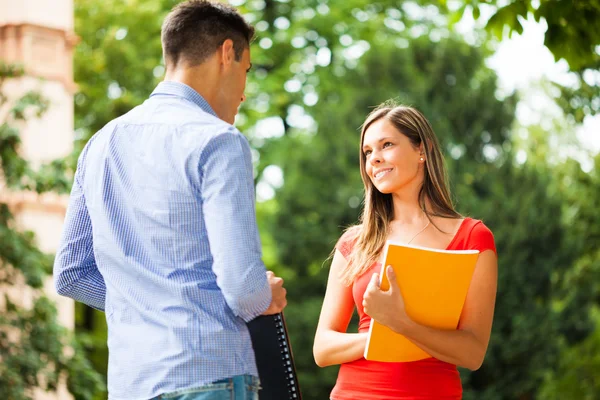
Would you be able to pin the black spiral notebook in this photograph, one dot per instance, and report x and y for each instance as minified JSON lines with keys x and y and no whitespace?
{"x":274,"y":358}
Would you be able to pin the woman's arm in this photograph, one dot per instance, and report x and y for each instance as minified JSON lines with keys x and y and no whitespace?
{"x":332,"y":344}
{"x":466,"y":346}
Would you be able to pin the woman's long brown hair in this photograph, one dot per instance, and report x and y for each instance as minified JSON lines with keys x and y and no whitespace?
{"x":370,"y":235}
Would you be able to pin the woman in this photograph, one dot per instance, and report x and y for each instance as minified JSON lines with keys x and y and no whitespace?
{"x":406,"y":200}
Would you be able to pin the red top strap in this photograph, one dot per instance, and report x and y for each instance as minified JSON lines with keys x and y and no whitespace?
{"x":473,"y":235}
{"x":347,"y":241}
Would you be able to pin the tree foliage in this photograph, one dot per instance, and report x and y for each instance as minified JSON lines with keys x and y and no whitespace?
{"x":573,"y":34}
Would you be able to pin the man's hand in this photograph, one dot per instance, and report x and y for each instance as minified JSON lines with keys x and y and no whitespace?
{"x":387,"y":308}
{"x":278,"y":301}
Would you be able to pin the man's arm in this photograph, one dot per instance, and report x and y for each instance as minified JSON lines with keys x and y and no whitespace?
{"x":228,"y":208}
{"x":75,"y":272}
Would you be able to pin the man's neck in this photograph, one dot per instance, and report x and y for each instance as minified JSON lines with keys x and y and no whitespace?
{"x":200,"y":79}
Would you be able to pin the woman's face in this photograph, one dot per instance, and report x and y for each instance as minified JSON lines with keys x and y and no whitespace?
{"x":391,"y":161}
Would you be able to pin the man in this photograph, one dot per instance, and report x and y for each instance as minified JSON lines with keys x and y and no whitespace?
{"x":161,"y":231}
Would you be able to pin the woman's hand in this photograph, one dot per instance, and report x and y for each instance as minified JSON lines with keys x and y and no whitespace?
{"x":386,"y":307}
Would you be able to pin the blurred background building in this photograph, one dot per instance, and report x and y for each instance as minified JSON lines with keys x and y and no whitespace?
{"x":38,"y":34}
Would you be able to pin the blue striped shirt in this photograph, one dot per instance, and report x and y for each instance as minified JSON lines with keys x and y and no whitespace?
{"x":161,"y":234}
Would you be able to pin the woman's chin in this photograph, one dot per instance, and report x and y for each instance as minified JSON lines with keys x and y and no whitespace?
{"x":385,"y":189}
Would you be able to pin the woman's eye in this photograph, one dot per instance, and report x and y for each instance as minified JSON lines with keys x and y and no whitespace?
{"x":367,"y":152}
{"x":387,"y":144}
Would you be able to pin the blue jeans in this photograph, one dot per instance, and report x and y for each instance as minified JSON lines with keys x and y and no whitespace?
{"x":240,"y":387}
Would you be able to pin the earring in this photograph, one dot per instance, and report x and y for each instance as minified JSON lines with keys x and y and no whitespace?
{"x":422,"y":159}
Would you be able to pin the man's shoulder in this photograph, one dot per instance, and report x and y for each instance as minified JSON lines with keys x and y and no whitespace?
{"x":174,"y":111}
{"x":106,"y":129}
{"x":196,"y":118}
{"x":190,"y":119}
{"x":109,"y":126}
{"x":192,"y":124}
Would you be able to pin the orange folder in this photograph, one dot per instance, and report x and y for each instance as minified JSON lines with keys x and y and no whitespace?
{"x":434,"y":284}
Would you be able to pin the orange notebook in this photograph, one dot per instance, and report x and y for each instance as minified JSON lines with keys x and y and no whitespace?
{"x":434,"y":284}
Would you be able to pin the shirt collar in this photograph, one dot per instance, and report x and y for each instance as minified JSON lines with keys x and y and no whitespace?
{"x":182,"y":90}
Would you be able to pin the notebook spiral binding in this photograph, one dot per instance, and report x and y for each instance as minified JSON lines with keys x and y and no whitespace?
{"x":288,"y":363}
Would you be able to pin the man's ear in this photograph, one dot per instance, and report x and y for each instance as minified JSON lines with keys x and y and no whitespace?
{"x":227,"y":53}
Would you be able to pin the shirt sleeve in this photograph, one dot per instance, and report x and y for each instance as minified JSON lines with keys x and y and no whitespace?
{"x":75,"y":272}
{"x":482,"y":238}
{"x":227,"y":192}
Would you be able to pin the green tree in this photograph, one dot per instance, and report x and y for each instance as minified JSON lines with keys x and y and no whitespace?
{"x":578,"y":371}
{"x":576,"y":292}
{"x":119,"y":59}
{"x":525,"y":211}
{"x":33,"y":345}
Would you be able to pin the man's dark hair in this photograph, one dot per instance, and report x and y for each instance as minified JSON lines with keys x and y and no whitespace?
{"x":195,"y":29}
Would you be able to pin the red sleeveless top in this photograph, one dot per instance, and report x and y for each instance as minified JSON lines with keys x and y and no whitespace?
{"x":426,"y":379}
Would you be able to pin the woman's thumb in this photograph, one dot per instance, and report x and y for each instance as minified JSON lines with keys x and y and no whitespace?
{"x":391,"y":275}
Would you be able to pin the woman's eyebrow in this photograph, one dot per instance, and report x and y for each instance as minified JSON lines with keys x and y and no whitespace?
{"x":378,"y":141}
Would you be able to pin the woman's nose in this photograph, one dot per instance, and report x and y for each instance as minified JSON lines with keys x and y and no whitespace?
{"x":375,"y":158}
